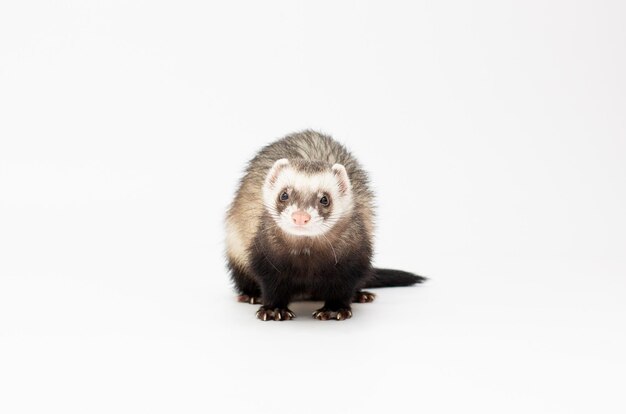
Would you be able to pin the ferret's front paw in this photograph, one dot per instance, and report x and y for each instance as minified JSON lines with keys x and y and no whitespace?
{"x":274,"y":314}
{"x":363,"y":297}
{"x":248,"y":299}
{"x":324,"y":314}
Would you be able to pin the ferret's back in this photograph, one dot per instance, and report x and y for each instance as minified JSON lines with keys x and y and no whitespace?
{"x":308,"y":145}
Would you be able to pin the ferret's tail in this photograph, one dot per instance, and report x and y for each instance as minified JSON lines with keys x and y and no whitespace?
{"x":391,"y":277}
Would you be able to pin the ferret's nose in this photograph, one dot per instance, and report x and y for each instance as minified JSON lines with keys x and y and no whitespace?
{"x":300,"y":218}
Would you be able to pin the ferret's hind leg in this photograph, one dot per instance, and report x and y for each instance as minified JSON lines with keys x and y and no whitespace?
{"x":251,"y":299}
{"x":245,"y":284}
{"x":363,"y":296}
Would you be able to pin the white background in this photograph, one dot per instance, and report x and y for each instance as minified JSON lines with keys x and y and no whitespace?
{"x":495,"y":136}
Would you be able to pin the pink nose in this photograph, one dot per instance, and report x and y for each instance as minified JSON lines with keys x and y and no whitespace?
{"x":301,"y":218}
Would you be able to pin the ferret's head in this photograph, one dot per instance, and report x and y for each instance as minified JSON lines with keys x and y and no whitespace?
{"x":307,"y":198}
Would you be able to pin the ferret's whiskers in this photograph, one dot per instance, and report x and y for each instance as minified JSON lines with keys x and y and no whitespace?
{"x":264,"y":255}
{"x":331,"y":247}
{"x":268,"y":228}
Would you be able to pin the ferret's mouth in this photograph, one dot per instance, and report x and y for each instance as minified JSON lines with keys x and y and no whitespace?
{"x":304,"y":230}
{"x":301,"y":231}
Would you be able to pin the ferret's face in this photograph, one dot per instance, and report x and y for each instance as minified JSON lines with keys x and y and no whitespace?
{"x":307,"y":201}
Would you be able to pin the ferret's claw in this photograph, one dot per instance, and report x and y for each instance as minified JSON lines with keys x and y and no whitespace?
{"x":249,"y":299}
{"x":324,"y":314}
{"x":277,"y":314}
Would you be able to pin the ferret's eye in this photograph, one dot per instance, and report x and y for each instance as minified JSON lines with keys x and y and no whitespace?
{"x":284,"y":196}
{"x":324,"y":201}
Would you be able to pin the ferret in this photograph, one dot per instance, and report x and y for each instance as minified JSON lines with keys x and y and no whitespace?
{"x":301,"y":228}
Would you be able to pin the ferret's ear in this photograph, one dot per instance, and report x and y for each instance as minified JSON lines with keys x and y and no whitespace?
{"x":342,"y":179}
{"x":274,"y":172}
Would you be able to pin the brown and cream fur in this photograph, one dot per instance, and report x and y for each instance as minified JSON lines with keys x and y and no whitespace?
{"x":272,"y":261}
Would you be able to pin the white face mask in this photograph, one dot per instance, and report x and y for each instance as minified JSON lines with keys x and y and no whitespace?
{"x":306,"y":204}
